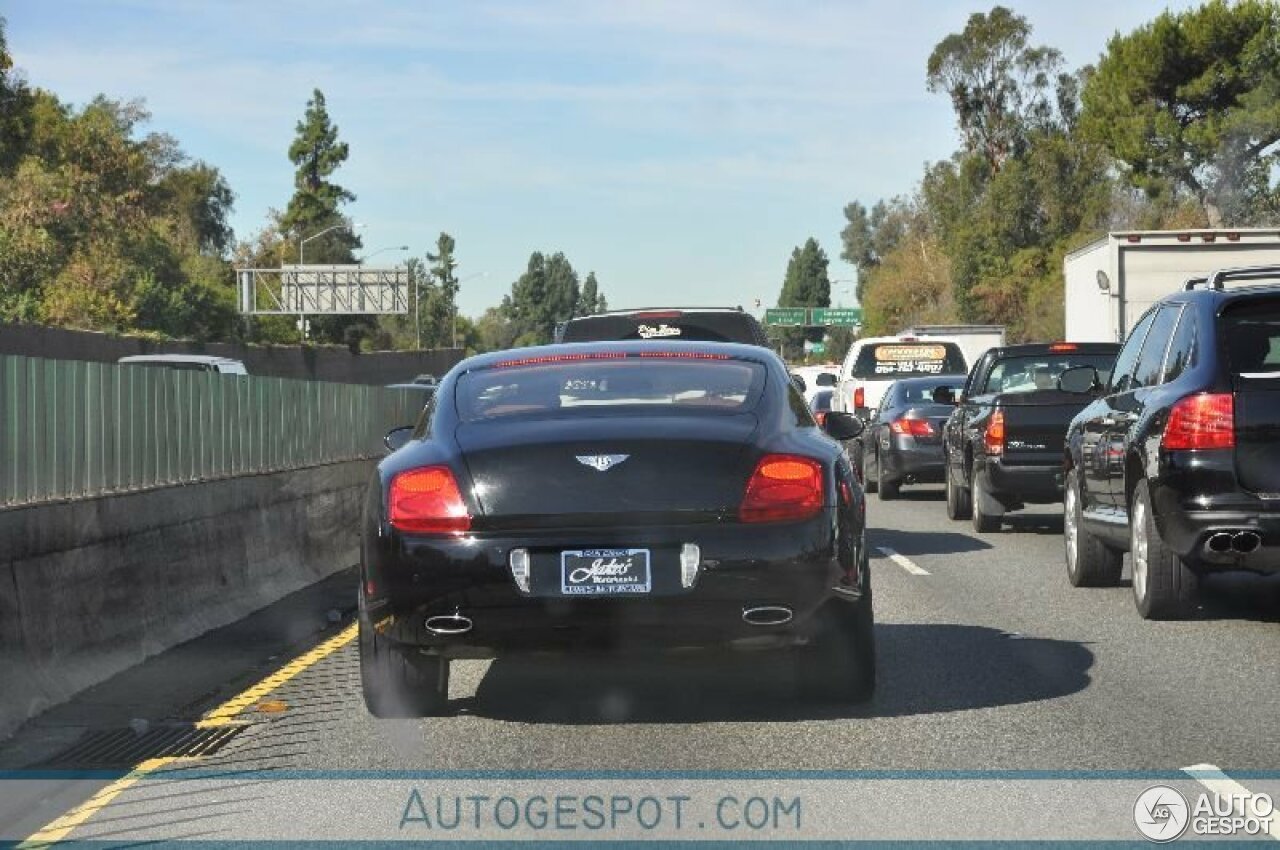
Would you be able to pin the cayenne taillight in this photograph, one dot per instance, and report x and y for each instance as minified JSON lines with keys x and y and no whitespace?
{"x":859,"y":398}
{"x":783,"y":487}
{"x":993,"y":437}
{"x":913,"y":427}
{"x":1205,"y":421}
{"x":427,"y":501}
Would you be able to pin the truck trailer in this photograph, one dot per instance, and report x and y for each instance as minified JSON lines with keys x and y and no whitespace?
{"x":1110,"y":283}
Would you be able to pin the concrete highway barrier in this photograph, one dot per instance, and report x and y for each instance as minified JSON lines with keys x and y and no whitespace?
{"x":91,"y":587}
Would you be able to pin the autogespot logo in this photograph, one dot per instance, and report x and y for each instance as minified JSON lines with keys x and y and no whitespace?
{"x":1161,"y":813}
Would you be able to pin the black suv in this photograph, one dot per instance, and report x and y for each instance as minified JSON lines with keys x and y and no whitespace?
{"x":666,"y":324}
{"x":1178,"y":461}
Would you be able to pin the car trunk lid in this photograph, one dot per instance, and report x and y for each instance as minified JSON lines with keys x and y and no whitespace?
{"x":1035,"y":424}
{"x":650,"y":469}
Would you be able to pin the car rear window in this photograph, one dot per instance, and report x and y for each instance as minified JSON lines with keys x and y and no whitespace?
{"x":594,"y":386}
{"x":1030,"y":373}
{"x":663,"y":325}
{"x":922,"y":391}
{"x":883,"y":360}
{"x":1252,"y":334}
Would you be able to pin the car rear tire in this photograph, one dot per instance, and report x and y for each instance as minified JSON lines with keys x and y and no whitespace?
{"x":840,"y":664}
{"x":399,"y":683}
{"x":1090,"y":562}
{"x":1164,"y":587}
{"x":983,"y":522}
{"x":959,"y":505}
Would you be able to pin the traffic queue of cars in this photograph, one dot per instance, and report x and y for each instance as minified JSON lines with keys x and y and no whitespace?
{"x":660,"y":483}
{"x":1167,"y":447}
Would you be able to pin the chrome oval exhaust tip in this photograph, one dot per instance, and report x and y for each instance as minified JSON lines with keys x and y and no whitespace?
{"x":449,"y":624}
{"x":1246,"y":541}
{"x":767,"y":615}
{"x":1220,"y":542}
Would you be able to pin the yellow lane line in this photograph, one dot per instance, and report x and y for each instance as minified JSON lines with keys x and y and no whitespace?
{"x":59,"y":829}
{"x":226,"y":713}
{"x":223,"y":715}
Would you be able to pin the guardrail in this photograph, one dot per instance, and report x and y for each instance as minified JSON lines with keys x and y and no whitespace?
{"x":72,"y":429}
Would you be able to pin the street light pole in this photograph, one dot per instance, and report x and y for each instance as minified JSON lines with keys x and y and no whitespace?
{"x":368,"y":257}
{"x":302,"y":318}
{"x":302,"y":242}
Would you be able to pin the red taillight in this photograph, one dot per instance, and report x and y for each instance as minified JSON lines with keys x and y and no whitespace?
{"x":913,"y":427}
{"x":428,"y":501}
{"x":659,"y":314}
{"x":1205,"y":421}
{"x":859,"y":398}
{"x":821,"y":416}
{"x":1064,"y":346}
{"x":994,"y":435}
{"x":783,"y":487}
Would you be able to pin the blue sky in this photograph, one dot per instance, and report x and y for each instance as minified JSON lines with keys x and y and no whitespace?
{"x":680,"y":148}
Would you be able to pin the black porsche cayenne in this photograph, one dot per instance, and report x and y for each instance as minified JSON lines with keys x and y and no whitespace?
{"x":614,"y":495}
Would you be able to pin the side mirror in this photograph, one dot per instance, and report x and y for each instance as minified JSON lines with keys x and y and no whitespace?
{"x":1079,"y":380}
{"x":842,"y":426}
{"x":944,"y":395}
{"x":799,"y":382}
{"x":397,"y":437}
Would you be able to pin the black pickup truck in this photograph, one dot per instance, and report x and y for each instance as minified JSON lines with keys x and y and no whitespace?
{"x":1004,"y":440}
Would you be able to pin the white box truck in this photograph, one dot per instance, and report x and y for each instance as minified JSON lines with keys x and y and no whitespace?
{"x":1110,"y":283}
{"x":974,"y":340}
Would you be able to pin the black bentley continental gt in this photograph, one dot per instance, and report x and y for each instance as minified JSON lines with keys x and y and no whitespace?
{"x":619,"y":495}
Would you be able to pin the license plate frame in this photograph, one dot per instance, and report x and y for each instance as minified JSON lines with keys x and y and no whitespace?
{"x":608,"y":576}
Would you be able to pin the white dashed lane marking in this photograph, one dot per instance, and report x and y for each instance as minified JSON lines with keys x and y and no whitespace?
{"x":902,"y":561}
{"x":1212,"y":777}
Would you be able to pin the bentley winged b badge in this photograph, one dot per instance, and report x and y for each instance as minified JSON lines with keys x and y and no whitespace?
{"x":601,"y":463}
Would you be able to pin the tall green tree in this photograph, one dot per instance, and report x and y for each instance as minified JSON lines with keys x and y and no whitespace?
{"x":547,"y":293}
{"x":591,"y":300}
{"x":868,"y":237}
{"x":316,"y":207}
{"x":1190,"y":103}
{"x":999,"y":85}
{"x":445,"y":286}
{"x":316,"y":154}
{"x":805,"y":284}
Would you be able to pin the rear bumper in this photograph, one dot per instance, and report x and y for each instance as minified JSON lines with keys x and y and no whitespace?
{"x":800,"y":566}
{"x":1196,"y":495}
{"x":1187,"y":533}
{"x":1019,"y":484}
{"x":921,"y":464}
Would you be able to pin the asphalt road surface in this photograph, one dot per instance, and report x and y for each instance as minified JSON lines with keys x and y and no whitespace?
{"x":988,"y":660}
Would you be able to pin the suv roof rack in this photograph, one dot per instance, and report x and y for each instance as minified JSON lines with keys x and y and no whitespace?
{"x":1218,"y":279}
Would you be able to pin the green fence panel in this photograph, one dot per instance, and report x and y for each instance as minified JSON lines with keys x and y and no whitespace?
{"x":71,"y":429}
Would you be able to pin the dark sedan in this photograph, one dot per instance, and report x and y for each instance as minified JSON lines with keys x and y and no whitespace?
{"x":620,"y":495}
{"x":904,"y":440}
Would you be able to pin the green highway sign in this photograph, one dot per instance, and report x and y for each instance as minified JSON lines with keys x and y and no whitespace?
{"x":786,"y":315}
{"x":837,"y":316}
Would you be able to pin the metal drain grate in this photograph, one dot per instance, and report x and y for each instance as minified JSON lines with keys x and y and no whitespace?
{"x":125,"y":748}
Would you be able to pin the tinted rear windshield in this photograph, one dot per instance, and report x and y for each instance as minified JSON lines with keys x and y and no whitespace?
{"x":883,"y":360}
{"x":1031,"y":373}
{"x":695,"y":327}
{"x":1252,"y":334}
{"x":912,"y":392}
{"x":600,"y":385}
